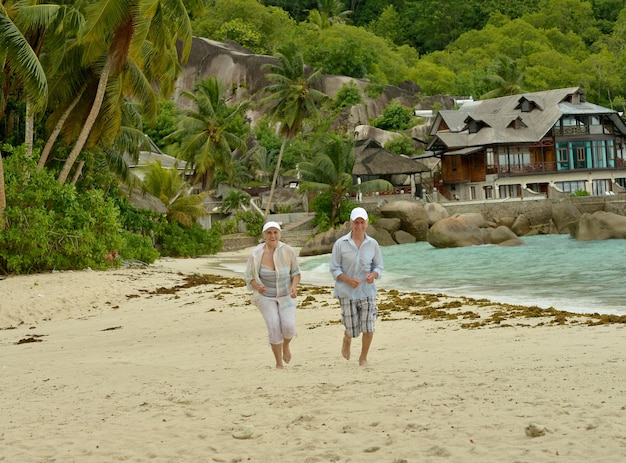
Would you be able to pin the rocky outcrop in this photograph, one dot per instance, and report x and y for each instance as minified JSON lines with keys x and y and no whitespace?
{"x":243,"y":73}
{"x":563,"y":215}
{"x":322,"y":243}
{"x":599,"y":226}
{"x":454,"y":232}
{"x":502,"y":236}
{"x":435,"y":212}
{"x":412,"y":215}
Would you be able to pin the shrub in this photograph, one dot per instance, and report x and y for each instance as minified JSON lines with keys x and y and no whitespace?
{"x":177,"y":241}
{"x":138,"y":247}
{"x":253,"y":220}
{"x":395,"y":117}
{"x":51,"y":226}
{"x":348,"y":95}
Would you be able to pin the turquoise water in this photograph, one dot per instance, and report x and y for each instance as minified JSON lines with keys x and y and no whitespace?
{"x":548,"y":271}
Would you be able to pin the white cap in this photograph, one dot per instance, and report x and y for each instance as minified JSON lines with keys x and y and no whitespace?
{"x":358,"y":213}
{"x":271,"y":225}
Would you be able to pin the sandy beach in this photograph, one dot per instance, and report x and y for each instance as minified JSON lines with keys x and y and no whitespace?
{"x":170,"y":363}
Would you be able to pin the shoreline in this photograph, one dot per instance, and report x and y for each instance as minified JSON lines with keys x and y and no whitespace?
{"x":171,"y":363}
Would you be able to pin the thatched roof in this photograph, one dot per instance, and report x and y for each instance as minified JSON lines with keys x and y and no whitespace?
{"x":373,"y":159}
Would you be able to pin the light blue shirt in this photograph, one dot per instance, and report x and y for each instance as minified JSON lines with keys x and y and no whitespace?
{"x":355,"y":263}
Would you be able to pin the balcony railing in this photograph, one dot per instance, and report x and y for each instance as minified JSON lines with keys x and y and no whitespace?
{"x":522,"y":169}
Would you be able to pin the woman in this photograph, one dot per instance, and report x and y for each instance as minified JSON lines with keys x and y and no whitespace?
{"x":272,"y":273}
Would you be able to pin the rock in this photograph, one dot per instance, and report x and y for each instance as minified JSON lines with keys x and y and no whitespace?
{"x":563,"y":214}
{"x":536,"y":430}
{"x":402,"y":237}
{"x":392,"y":225}
{"x":435,"y":212}
{"x":454,"y":232}
{"x":243,"y":431}
{"x":506,"y":221}
{"x":502,"y":235}
{"x":521,"y":225}
{"x":475,"y":218}
{"x":284,"y":198}
{"x":599,"y":226}
{"x":381,"y":235}
{"x":412,"y":215}
{"x":322,"y":243}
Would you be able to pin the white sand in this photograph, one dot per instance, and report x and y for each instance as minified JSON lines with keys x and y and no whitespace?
{"x":125,"y":372}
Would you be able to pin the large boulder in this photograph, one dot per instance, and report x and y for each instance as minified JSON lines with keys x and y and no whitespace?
{"x":322,"y":243}
{"x":564,"y":214}
{"x":402,"y":237}
{"x":381,"y":235}
{"x":475,"y":218}
{"x":599,"y":226}
{"x":502,"y":236}
{"x":521,"y":225}
{"x":284,"y":199}
{"x":412,"y":215}
{"x":392,"y":225}
{"x":454,"y":232}
{"x":435,"y":212}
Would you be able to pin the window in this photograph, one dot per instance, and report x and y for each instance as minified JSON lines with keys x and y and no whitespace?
{"x":510,"y":191}
{"x":562,"y":156}
{"x":570,"y":187}
{"x":601,"y":187}
{"x":599,"y":154}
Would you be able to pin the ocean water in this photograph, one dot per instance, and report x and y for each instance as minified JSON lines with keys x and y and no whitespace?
{"x":548,"y":271}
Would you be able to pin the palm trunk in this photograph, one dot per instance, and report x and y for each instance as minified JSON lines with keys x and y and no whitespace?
{"x":275,"y":179}
{"x":29,"y":130}
{"x":79,"y":169}
{"x":91,"y":119}
{"x":57,"y":130}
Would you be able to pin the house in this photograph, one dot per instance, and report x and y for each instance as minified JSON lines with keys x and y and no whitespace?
{"x":542,"y":144}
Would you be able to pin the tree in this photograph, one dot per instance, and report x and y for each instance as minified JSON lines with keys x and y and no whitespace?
{"x":130,"y":35}
{"x":291,"y":98}
{"x":208,"y":130}
{"x":506,"y":78}
{"x":17,"y":57}
{"x":330,"y":172}
{"x":174,"y":192}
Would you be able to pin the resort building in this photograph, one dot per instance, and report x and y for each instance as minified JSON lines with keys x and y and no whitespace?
{"x":542,"y":144}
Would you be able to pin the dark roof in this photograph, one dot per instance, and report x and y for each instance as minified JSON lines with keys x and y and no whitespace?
{"x":373,"y":159}
{"x":497,"y":115}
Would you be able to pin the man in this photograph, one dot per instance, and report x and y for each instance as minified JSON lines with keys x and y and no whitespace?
{"x":356,"y":261}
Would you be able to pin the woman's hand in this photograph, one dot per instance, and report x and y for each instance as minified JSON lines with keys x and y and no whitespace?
{"x":259,"y":288}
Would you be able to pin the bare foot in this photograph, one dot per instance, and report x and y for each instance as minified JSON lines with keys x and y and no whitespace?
{"x":279,"y":366}
{"x":345,"y":347}
{"x":363,"y":362}
{"x":286,"y":354}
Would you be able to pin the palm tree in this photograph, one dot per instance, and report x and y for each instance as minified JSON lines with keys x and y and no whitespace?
{"x":291,"y":97}
{"x":506,"y":79}
{"x":133,"y":36}
{"x":17,"y":59}
{"x":207,"y":131}
{"x":331,"y":172}
{"x":174,"y":192}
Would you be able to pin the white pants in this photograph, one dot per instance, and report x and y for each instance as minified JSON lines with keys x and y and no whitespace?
{"x":281,"y":323}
